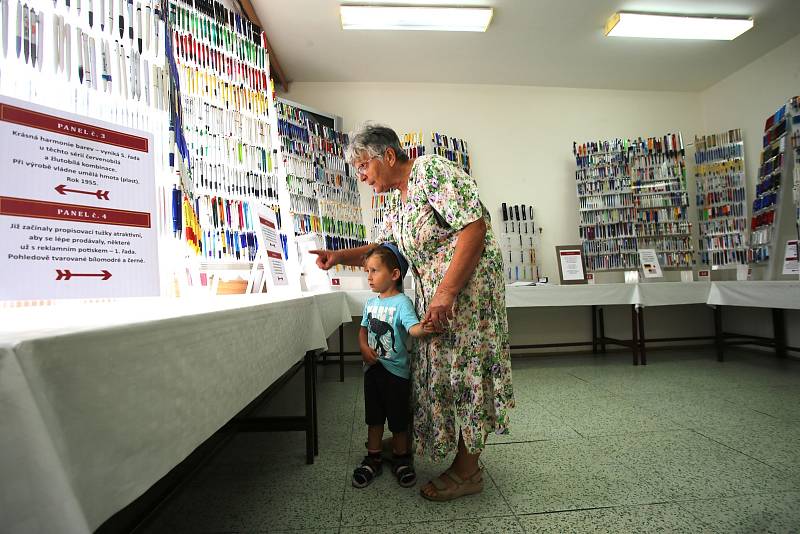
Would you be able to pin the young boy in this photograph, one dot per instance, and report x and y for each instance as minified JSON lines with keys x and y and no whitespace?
{"x":388,"y":320}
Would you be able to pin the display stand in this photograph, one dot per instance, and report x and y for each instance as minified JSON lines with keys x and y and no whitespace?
{"x":518,"y":241}
{"x":721,"y":199}
{"x":774,"y":220}
{"x":452,"y":148}
{"x":632,"y":194}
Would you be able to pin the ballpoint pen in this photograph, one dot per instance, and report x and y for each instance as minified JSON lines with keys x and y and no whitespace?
{"x":5,"y":27}
{"x":146,"y":82}
{"x":78,"y":6}
{"x":19,"y":28}
{"x":68,"y":51}
{"x":120,"y":73}
{"x":157,"y":13}
{"x":90,"y":58}
{"x":34,"y":22}
{"x":26,"y":40}
{"x":139,"y":28}
{"x":40,"y":39}
{"x":120,"y":19}
{"x":91,"y":13}
{"x":110,"y":16}
{"x":79,"y":47}
{"x":58,"y":28}
{"x":123,"y":72}
{"x":147,"y":25}
{"x":106,"y":71}
{"x":130,"y":20}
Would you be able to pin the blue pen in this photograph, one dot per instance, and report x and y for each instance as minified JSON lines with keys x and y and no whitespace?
{"x":177,"y":216}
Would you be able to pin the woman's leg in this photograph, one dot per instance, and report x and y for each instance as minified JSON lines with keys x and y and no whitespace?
{"x":465,"y":465}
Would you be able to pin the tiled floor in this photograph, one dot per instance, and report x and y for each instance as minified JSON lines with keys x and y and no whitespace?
{"x":684,"y":444}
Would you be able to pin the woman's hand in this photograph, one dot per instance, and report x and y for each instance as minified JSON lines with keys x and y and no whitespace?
{"x":326,"y":258}
{"x":440,"y":311}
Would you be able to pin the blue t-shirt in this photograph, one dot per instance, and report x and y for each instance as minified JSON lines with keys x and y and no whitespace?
{"x":387,"y":322}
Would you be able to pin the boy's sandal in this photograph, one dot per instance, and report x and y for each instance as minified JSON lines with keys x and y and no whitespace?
{"x":403,"y":469}
{"x":364,"y":474}
{"x":459,"y":487}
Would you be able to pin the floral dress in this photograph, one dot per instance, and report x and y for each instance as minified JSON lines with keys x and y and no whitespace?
{"x":462,"y":377}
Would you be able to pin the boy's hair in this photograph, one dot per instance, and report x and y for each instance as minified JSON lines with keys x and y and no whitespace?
{"x":387,"y":258}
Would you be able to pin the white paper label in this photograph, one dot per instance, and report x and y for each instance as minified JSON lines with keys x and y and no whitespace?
{"x":77,"y":204}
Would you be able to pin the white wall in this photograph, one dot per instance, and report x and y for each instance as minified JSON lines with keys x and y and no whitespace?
{"x":520,"y":138}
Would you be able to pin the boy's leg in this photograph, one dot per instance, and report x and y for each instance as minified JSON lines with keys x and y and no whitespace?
{"x":374,"y":437}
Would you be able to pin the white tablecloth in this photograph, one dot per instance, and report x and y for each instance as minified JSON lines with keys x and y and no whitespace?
{"x":333,"y":309}
{"x":92,"y":418}
{"x":755,"y":294}
{"x":97,"y":402}
{"x":672,"y":293}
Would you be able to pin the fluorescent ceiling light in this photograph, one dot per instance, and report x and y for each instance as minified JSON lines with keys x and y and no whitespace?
{"x":676,"y":26}
{"x":453,"y":19}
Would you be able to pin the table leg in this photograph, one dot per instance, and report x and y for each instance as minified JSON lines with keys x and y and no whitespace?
{"x":642,"y":352}
{"x":719,"y":340}
{"x":594,"y":329}
{"x":309,"y":415}
{"x":602,"y":323}
{"x":314,"y":406}
{"x":634,"y":335}
{"x":779,"y":332}
{"x":341,"y":353}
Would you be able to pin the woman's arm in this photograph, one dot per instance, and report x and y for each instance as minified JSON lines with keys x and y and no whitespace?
{"x":469,"y":248}
{"x":353,"y":257}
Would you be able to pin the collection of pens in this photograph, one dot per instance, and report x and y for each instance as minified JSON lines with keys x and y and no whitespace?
{"x":299,"y":166}
{"x":414,"y":145}
{"x":632,"y":195}
{"x":721,"y":198}
{"x":766,"y":202}
{"x":452,"y":148}
{"x":337,"y":189}
{"x":98,"y":58}
{"x":323,"y":192}
{"x":518,"y":240}
{"x":223,"y":75}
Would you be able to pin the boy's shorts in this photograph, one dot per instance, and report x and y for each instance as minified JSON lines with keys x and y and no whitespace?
{"x":386,"y":397}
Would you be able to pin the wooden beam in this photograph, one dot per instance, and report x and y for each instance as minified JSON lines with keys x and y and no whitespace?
{"x":274,"y":65}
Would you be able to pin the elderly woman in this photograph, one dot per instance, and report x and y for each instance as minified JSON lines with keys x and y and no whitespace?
{"x":461,"y":378}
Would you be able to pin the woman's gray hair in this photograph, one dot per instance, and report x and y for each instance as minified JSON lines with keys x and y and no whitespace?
{"x":373,"y":140}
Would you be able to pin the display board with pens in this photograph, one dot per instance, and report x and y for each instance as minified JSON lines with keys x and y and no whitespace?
{"x":794,"y":104}
{"x":518,"y":243}
{"x":341,"y":220}
{"x":721,"y":199}
{"x":606,"y":212}
{"x":774,"y":167}
{"x":452,"y":148}
{"x":632,"y":194}
{"x":324,"y":198}
{"x":223,"y":78}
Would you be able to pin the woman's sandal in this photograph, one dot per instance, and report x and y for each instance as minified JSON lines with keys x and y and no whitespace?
{"x":403,"y":469}
{"x":445,"y":492}
{"x":364,"y":474}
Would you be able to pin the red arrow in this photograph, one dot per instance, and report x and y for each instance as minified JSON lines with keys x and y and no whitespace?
{"x":100,"y":194}
{"x":66,"y":274}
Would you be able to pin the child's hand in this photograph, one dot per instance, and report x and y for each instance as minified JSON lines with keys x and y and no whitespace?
{"x":369,"y":355}
{"x":428,"y":328}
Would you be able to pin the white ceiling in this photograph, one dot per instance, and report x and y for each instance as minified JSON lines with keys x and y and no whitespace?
{"x":556,"y":43}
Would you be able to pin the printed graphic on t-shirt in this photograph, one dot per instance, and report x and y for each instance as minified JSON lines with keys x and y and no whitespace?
{"x":381,"y":333}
